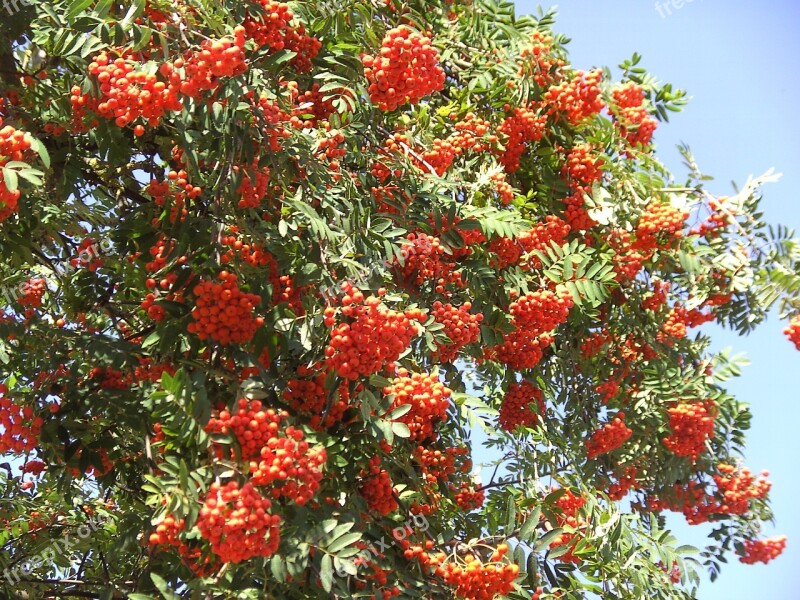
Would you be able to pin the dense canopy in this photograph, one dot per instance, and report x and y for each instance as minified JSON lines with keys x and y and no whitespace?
{"x":269,"y":270}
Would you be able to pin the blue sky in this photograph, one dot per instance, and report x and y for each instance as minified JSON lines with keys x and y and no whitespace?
{"x":738,"y":61}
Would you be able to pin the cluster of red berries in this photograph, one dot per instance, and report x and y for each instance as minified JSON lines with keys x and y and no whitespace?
{"x":173,"y":193}
{"x":515,"y":409}
{"x":271,"y":28}
{"x":32,"y":292}
{"x":521,"y":350}
{"x":692,"y":424}
{"x":504,"y":190}
{"x":659,"y":296}
{"x":374,"y":337}
{"x":435,"y":464}
{"x":406,"y":70}
{"x":223,"y":312}
{"x":289,"y":464}
{"x":609,"y":437}
{"x":737,"y":487}
{"x":311,"y":107}
{"x":20,"y":429}
{"x":678,"y":321}
{"x":309,"y":397}
{"x":168,"y":532}
{"x":541,"y":311}
{"x":569,"y":504}
{"x":110,"y":378}
{"x":475,"y":580}
{"x":215,"y":59}
{"x":659,"y":226}
{"x":537,"y":60}
{"x":250,"y":423}
{"x":377,"y":488}
{"x":460,"y":326}
{"x":544,"y":234}
{"x":635,"y":123}
{"x":13,"y":145}
{"x":575,"y":212}
{"x":254,"y":186}
{"x":792,"y":331}
{"x":582,"y":168}
{"x":717,"y":219}
{"x":270,"y":119}
{"x":428,"y":398}
{"x":628,"y":258}
{"x":620,"y":488}
{"x":523,"y":126}
{"x":577,"y":99}
{"x":472,"y":134}
{"x":237,"y":523}
{"x":763,"y":550}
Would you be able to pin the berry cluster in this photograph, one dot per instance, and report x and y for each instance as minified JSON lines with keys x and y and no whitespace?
{"x":254,"y":186}
{"x":374,"y":337}
{"x":521,"y":350}
{"x":127,"y":94}
{"x":577,"y":99}
{"x":468,"y":496}
{"x":792,"y":331}
{"x":215,"y":59}
{"x":13,"y":145}
{"x":609,"y":437}
{"x":223,"y":312}
{"x":763,"y":550}
{"x":576,"y":214}
{"x":582,"y":168}
{"x":428,"y":398}
{"x":523,"y":126}
{"x":377,"y":488}
{"x":310,"y":398}
{"x":459,"y":325}
{"x":542,"y":236}
{"x":692,"y":425}
{"x":406,"y":70}
{"x":569,"y":504}
{"x":237,"y":523}
{"x":32,"y":292}
{"x":635,"y":123}
{"x":20,"y":429}
{"x":475,"y":580}
{"x":515,"y":409}
{"x":472,"y":134}
{"x":659,"y":226}
{"x":250,"y":423}
{"x":540,"y":312}
{"x":290,"y":462}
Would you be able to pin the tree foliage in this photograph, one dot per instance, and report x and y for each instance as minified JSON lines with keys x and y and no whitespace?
{"x":269,"y":268}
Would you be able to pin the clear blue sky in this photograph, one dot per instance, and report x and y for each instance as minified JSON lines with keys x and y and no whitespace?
{"x":738,"y":61}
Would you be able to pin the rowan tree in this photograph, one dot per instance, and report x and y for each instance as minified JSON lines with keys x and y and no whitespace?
{"x":267,"y":267}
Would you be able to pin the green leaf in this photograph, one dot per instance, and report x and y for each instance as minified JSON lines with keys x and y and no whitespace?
{"x":163,"y":587}
{"x":326,"y":572}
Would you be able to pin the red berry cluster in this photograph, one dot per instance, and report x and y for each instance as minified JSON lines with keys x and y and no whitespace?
{"x":428,"y":398}
{"x":290,"y":465}
{"x":13,"y":145}
{"x":635,"y":123}
{"x":659,"y":226}
{"x":254,"y":186}
{"x":475,"y":580}
{"x":250,"y":423}
{"x":692,"y":424}
{"x":270,"y":120}
{"x":215,"y":59}
{"x":374,"y":337}
{"x":577,"y":99}
{"x":459,"y":325}
{"x":271,"y":27}
{"x":223,"y":312}
{"x":792,"y":331}
{"x":472,"y":134}
{"x":609,"y":437}
{"x":515,"y":409}
{"x":309,"y":397}
{"x":763,"y":550}
{"x":541,"y":311}
{"x":569,"y":504}
{"x":619,"y":489}
{"x":238,"y":524}
{"x":468,"y":496}
{"x":20,"y":429}
{"x":110,"y":378}
{"x":521,"y":350}
{"x":523,"y":126}
{"x":737,"y":487}
{"x":576,"y":214}
{"x":628,"y":258}
{"x":406,"y":70}
{"x":32,"y":292}
{"x":543,"y":235}
{"x":127,"y":94}
{"x":582,"y":168}
{"x":435,"y":464}
{"x":377,"y":488}
{"x":659,"y":296}
{"x":537,"y":60}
